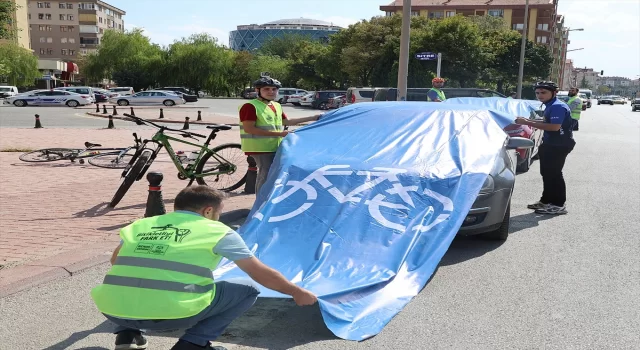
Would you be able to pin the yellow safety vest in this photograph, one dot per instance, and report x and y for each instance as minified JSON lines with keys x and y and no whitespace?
{"x":575,"y":112}
{"x":267,"y":120}
{"x":164,"y":268}
{"x":440,"y":93}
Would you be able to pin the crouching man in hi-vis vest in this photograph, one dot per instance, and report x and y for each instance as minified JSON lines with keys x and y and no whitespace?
{"x":262,"y":126}
{"x":161,"y":278}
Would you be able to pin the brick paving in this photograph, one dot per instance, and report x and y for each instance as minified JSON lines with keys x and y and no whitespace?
{"x":51,"y":208}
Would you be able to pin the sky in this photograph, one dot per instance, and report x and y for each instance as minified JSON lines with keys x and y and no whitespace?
{"x":610,"y":40}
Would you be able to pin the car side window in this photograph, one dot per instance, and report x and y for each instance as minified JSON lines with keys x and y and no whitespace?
{"x":59,"y":93}
{"x":43,"y":93}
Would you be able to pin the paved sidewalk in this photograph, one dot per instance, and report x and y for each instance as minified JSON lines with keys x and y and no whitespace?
{"x":49,"y":209}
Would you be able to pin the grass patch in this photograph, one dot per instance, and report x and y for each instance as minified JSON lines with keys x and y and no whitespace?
{"x":16,"y":149}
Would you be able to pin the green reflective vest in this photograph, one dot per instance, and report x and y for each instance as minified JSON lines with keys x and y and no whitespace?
{"x":440,"y":95}
{"x":575,"y":111}
{"x":267,"y":120}
{"x":163,"y":270}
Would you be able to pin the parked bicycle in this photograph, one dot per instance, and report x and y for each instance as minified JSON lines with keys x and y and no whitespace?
{"x":103,"y":157}
{"x":220,"y":165}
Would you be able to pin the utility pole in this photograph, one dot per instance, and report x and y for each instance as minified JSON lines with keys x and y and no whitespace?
{"x":522,"y":48}
{"x":403,"y":63}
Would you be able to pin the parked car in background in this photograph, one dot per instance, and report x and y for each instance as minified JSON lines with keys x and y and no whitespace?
{"x":617,"y":100}
{"x":248,"y":93}
{"x":321,"y":98}
{"x":151,"y":97}
{"x":185,"y":96}
{"x":337,"y":102}
{"x":284,"y":93}
{"x":295,"y":99}
{"x":48,"y":98}
{"x":635,"y":104}
{"x":307,"y":100}
{"x":100,"y":96}
{"x":8,"y":91}
{"x":84,"y":91}
{"x":125,"y":90}
{"x":359,"y":94}
{"x":420,"y":94}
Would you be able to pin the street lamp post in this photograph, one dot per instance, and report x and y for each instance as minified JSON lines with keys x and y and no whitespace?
{"x":523,"y":45}
{"x":403,"y":63}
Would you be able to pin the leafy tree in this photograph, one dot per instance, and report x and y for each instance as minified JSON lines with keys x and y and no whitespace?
{"x":603,"y":90}
{"x":584,"y":84}
{"x":277,"y":67}
{"x":240,"y":68}
{"x":18,"y":65}
{"x":7,"y":30}
{"x":283,"y":46}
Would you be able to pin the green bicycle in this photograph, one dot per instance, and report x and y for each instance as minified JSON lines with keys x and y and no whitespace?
{"x":219,"y":164}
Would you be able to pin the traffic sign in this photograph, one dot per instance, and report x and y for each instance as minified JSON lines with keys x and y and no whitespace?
{"x":427,"y":56}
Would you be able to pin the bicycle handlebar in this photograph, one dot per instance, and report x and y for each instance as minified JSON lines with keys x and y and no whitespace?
{"x":140,"y":120}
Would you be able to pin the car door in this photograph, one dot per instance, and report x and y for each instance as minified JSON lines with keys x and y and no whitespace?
{"x":158,"y":97}
{"x":42,"y":98}
{"x":140,"y":98}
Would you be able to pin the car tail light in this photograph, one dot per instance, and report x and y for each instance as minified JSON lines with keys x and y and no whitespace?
{"x":83,"y":96}
{"x":353,"y":98}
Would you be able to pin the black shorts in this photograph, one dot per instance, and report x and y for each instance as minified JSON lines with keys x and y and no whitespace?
{"x":575,"y":125}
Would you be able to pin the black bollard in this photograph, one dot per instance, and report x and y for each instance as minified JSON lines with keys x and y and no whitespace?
{"x":161,"y":114}
{"x":38,"y":124}
{"x":97,"y":107}
{"x":115,"y":111}
{"x":252,"y":174}
{"x":104,"y":109}
{"x":110,"y":126}
{"x":155,"y":203}
{"x":199,"y":116}
{"x":186,"y":123}
{"x":132,"y":112}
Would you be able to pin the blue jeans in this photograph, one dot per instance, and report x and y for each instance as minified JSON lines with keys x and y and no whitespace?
{"x":232,"y":299}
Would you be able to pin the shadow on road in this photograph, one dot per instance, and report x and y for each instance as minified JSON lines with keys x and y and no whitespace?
{"x":525,"y":221}
{"x":466,"y":248}
{"x":104,"y":327}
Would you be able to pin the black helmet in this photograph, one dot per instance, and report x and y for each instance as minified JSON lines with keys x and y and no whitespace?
{"x":549,"y":85}
{"x":266,"y":81}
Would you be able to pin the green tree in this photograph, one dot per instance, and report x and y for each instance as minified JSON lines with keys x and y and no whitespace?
{"x":240,"y":78}
{"x":603,"y":90}
{"x":18,"y":65}
{"x":277,"y":67}
{"x":584,"y":84}
{"x":7,"y":30}
{"x":129,"y":58}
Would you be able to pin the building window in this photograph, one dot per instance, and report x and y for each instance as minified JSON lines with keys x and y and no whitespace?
{"x":415,"y":13}
{"x":120,"y":26}
{"x":29,"y":16}
{"x":72,"y":52}
{"x":83,"y":51}
{"x":496,"y":13}
{"x":62,"y":17}
{"x":64,"y":52}
{"x":47,"y":5}
{"x":436,"y":14}
{"x":49,"y":51}
{"x":70,"y":17}
{"x":100,"y":19}
{"x":518,"y":26}
{"x":43,"y":39}
{"x":63,"y":40}
{"x":70,"y":6}
{"x":544,"y":26}
{"x":63,"y":28}
{"x":40,"y":15}
{"x":40,"y":5}
{"x":72,"y":28}
{"x":72,"y":40}
{"x":47,"y":16}
{"x":450,"y":13}
{"x":61,"y":5}
{"x":49,"y":40}
{"x":42,"y":51}
{"x":541,"y":39}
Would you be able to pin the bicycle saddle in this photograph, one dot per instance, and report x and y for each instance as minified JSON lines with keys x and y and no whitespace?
{"x":89,"y":144}
{"x":219,"y":127}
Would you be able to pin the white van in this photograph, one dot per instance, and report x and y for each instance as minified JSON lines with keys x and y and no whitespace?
{"x":124,"y":90}
{"x":359,"y":94}
{"x":8,"y":91}
{"x":285,"y":92}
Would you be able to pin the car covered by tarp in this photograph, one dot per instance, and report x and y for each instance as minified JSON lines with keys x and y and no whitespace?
{"x":361,"y":206}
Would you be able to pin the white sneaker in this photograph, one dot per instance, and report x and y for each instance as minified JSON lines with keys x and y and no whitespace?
{"x":551,"y":209}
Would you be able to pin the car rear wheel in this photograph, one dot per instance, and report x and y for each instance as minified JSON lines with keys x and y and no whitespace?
{"x":73,"y":103}
{"x":168,"y":103}
{"x":323,"y":106}
{"x":20,"y":103}
{"x":502,"y":233}
{"x":123,"y":103}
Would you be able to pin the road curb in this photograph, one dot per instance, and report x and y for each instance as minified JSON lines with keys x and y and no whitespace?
{"x":163,"y":120}
{"x":22,"y":277}
{"x":17,"y":279}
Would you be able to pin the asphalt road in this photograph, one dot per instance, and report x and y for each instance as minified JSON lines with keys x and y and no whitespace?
{"x":65,"y":117}
{"x":568,"y":282}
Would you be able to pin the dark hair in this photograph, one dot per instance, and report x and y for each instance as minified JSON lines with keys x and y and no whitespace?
{"x":198,"y":197}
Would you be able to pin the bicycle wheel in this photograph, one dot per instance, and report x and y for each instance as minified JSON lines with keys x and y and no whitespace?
{"x":48,"y":155}
{"x":112,"y":160}
{"x":232,"y":175}
{"x":130,"y":178}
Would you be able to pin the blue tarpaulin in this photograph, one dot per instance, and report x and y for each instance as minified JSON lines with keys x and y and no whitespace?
{"x":513,"y":107}
{"x":360,"y":207}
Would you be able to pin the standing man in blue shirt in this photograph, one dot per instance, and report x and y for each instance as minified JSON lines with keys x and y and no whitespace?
{"x":557,"y":143}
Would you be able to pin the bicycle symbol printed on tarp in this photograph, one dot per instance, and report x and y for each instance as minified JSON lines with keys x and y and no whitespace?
{"x":374,"y":177}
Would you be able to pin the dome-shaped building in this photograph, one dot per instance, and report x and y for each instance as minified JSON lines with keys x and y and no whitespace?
{"x":252,"y":36}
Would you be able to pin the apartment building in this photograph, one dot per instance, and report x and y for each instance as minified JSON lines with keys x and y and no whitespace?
{"x":19,"y":23}
{"x":62,"y":30}
{"x":544,"y":26}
